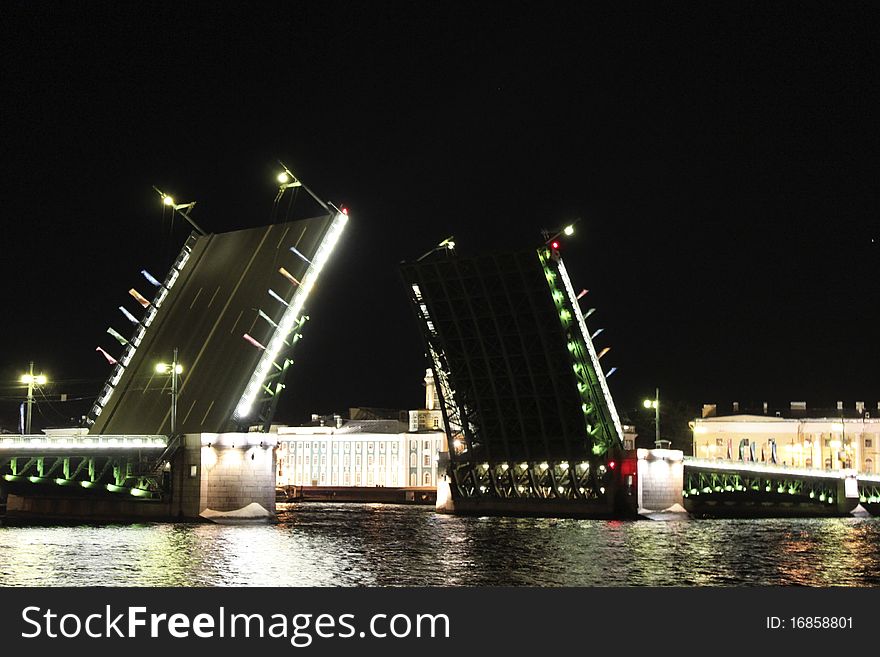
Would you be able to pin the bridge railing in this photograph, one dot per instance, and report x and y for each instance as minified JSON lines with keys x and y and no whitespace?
{"x":16,"y":442}
{"x":768,"y":468}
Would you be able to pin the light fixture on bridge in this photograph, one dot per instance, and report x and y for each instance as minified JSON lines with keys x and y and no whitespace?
{"x":655,"y":404}
{"x":446,"y":245}
{"x":32,"y":381}
{"x":175,"y":369}
{"x":180,"y":208}
{"x":552,"y":239}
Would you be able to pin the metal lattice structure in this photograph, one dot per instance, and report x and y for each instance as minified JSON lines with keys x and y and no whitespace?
{"x":731,"y":489}
{"x":128,"y":466}
{"x":527,"y":411}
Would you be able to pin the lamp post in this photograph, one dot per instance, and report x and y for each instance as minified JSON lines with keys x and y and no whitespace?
{"x":655,"y":404}
{"x":174,"y":369}
{"x":32,"y":382}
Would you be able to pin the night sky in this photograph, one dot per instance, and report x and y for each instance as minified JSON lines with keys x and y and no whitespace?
{"x":723,"y":162}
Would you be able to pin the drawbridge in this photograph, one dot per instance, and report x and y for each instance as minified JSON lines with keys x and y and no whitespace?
{"x":227,"y":315}
{"x":531,"y":424}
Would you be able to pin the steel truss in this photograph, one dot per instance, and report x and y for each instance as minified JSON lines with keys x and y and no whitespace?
{"x":133,"y":474}
{"x":869,"y":491}
{"x":707,"y":485}
{"x":524,"y":412}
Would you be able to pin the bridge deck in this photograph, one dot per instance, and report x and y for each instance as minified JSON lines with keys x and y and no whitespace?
{"x":11,"y":445}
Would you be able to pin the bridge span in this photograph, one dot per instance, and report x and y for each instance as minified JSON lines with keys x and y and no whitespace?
{"x":76,"y":476}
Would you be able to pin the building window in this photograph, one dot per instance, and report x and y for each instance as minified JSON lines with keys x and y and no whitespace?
{"x":323,"y":460}
{"x":426,"y":461}
{"x":427,"y":479}
{"x":828,"y":464}
{"x":827,"y":442}
{"x":427,"y":444}
{"x":357,"y":447}
{"x":346,"y":460}
{"x":413,"y":479}
{"x":719,"y":442}
{"x":382,"y":448}
{"x":869,"y":443}
{"x":370,"y":460}
{"x":308,"y":445}
{"x":394,"y":448}
{"x":335,"y":478}
{"x":322,"y":477}
{"x":347,"y":479}
{"x":436,"y":423}
{"x":357,"y":461}
{"x":369,"y":478}
{"x":347,"y":447}
{"x":869,"y":466}
{"x":370,"y":447}
{"x":307,"y":459}
{"x":382,"y":460}
{"x":357,"y":478}
{"x":335,"y":446}
{"x":413,"y":462}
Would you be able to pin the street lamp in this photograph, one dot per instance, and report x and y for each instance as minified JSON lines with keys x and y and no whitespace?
{"x":655,"y":404}
{"x":174,"y":369}
{"x":32,"y":380}
{"x":180,"y":208}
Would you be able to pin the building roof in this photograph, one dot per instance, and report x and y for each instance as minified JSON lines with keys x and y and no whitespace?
{"x":373,"y":426}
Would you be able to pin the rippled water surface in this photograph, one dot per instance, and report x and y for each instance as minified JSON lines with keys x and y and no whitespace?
{"x":382,"y":545}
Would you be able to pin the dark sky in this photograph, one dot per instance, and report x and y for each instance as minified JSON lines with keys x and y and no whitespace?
{"x":723,"y":160}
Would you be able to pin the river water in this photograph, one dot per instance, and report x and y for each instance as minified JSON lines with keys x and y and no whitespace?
{"x":385,"y":545}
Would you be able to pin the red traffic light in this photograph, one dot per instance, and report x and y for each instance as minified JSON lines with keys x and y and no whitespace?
{"x":611,"y":464}
{"x":554,"y":244}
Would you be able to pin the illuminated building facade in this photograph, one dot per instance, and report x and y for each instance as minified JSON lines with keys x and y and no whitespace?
{"x":372,"y":452}
{"x":823,"y":443}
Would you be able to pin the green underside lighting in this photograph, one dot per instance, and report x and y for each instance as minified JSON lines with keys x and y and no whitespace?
{"x":137,"y":492}
{"x":64,"y":482}
{"x":598,"y":450}
{"x":114,"y":489}
{"x":862,"y":498}
{"x":86,"y":484}
{"x":10,"y":477}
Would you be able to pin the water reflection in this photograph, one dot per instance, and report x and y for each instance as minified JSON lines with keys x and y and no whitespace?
{"x":376,"y":545}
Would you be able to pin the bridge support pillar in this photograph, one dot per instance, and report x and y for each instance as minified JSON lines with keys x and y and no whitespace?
{"x":226,"y":477}
{"x":660,"y":476}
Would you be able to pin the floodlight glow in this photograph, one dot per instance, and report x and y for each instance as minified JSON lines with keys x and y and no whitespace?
{"x":569,"y":230}
{"x":291,"y":314}
{"x":162,"y":368}
{"x":283,"y":177}
{"x":167,"y":200}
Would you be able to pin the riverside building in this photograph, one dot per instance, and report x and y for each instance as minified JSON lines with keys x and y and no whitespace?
{"x":843,"y":438}
{"x":364,"y":451}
